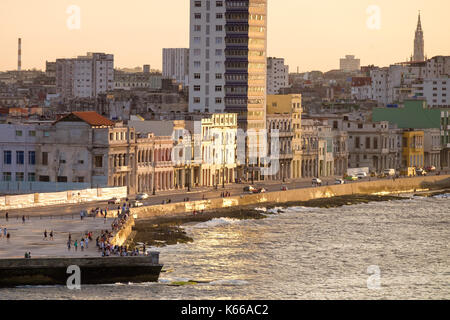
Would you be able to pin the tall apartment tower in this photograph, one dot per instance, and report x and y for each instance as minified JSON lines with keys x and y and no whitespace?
{"x":85,"y":76}
{"x":176,"y":64}
{"x":19,"y":55}
{"x":419,"y":47}
{"x":277,"y":75}
{"x":227,"y":65}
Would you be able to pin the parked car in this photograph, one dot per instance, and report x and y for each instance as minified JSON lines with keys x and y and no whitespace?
{"x":421,"y":172}
{"x":142,"y":196}
{"x":249,"y":189}
{"x":259,"y":190}
{"x":114,"y":201}
{"x":284,"y":188}
{"x":317,"y":181}
{"x":361,"y":175}
{"x":389,"y":172}
{"x":430,"y":168}
{"x":351,"y":178}
{"x":136,"y":204}
{"x":339,"y":181}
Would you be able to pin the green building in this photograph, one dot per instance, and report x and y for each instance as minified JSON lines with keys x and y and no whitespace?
{"x":415,"y":114}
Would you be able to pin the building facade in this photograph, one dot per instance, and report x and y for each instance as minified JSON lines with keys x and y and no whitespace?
{"x":277,"y":75}
{"x":349,"y":63}
{"x":176,"y":64}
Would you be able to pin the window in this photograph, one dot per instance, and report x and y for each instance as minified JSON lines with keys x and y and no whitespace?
{"x":197,"y":40}
{"x":218,"y":76}
{"x":31,"y":176}
{"x":218,"y":88}
{"x":197,"y":64}
{"x":219,"y":3}
{"x":46,"y":134}
{"x":6,"y":176}
{"x":62,"y":179}
{"x":32,"y":157}
{"x":80,"y":179}
{"x":197,"y":15}
{"x":219,"y":27}
{"x":196,"y":100}
{"x":218,"y":52}
{"x":32,"y":133}
{"x":20,"y":176}
{"x":98,"y":161}
{"x":45,"y":158}
{"x":197,"y":28}
{"x":218,"y":100}
{"x":219,"y":16}
{"x":367,"y":142}
{"x":198,"y":4}
{"x":197,"y":88}
{"x":20,"y":157}
{"x":44,"y":178}
{"x":197,"y":76}
{"x":18,"y":133}
{"x":7,"y":157}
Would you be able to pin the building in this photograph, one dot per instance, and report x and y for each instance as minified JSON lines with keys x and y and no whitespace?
{"x":310,"y":148}
{"x":432,"y":147}
{"x":176,"y":64}
{"x":84,"y":147}
{"x":415,"y":114}
{"x":361,"y":88}
{"x":228,"y":66}
{"x":413,"y":149}
{"x":140,"y":80}
{"x":277,"y":75}
{"x":436,"y":91}
{"x":18,"y":154}
{"x":438,"y":67}
{"x":284,"y":114}
{"x":85,"y":76}
{"x":349,"y":64}
{"x":419,"y":47}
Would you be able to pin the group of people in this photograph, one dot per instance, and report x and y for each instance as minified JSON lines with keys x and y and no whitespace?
{"x":45,"y":235}
{"x":84,"y":242}
{"x":4,"y":233}
{"x":225,"y":194}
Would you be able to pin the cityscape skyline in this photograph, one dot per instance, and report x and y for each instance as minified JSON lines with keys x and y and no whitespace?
{"x":133,"y":43}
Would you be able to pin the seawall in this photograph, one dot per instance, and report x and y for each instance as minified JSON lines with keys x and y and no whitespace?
{"x":385,"y":186}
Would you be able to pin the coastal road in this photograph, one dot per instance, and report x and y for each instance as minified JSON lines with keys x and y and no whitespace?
{"x":174,"y":196}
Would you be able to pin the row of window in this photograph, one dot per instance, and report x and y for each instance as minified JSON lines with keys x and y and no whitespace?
{"x":31,"y":133}
{"x":20,"y":177}
{"x":20,"y":157}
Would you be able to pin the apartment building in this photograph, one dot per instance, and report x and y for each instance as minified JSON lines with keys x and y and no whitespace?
{"x":277,"y":75}
{"x":176,"y":64}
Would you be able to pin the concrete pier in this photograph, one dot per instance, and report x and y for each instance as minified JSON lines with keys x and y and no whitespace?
{"x":54,"y":271}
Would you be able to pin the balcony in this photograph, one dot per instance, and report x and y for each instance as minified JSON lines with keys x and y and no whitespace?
{"x":122,"y":169}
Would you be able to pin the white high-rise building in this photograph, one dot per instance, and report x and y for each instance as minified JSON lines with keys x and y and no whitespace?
{"x":277,"y":75}
{"x":436,"y":91}
{"x":176,"y":64}
{"x":85,"y":76}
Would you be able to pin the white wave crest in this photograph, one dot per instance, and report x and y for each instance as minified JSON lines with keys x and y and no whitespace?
{"x":217,"y":222}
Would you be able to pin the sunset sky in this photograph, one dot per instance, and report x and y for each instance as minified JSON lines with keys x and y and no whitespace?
{"x":312,"y":35}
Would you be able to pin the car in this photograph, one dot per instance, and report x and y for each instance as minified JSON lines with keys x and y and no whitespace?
{"x":259,"y":190}
{"x":430,"y":168}
{"x":339,"y":181}
{"x":351,"y":178}
{"x":114,"y":201}
{"x":136,"y":204}
{"x":316,"y":181}
{"x":421,"y":172}
{"x":142,"y":196}
{"x":284,"y":188}
{"x":249,"y":189}
{"x":361,"y":175}
{"x":389,"y":172}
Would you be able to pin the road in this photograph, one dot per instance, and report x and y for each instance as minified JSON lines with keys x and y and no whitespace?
{"x":174,"y":196}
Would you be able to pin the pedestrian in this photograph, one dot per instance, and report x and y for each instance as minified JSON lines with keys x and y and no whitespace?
{"x":7,"y":216}
{"x":68,"y":245}
{"x":87,"y":242}
{"x":23,"y":219}
{"x":45,"y":234}
{"x":144,"y":249}
{"x":26,"y":255}
{"x":70,"y":237}
{"x":76,"y":245}
{"x":29,"y":255}
{"x":82,"y":244}
{"x":81,"y":215}
{"x":7,"y":237}
{"x":51,"y":235}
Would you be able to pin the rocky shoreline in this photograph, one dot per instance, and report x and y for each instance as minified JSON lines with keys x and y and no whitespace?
{"x":167,"y":230}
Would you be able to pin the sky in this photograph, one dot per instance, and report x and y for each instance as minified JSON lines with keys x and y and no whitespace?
{"x":310,"y":35}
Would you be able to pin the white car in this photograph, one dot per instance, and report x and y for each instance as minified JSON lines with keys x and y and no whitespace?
{"x":114,"y":201}
{"x":142,"y":196}
{"x":317,"y":181}
{"x":339,"y":181}
{"x":136,"y":204}
{"x":361,"y":175}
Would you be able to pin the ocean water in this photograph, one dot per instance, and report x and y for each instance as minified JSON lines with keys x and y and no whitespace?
{"x":300,"y":253}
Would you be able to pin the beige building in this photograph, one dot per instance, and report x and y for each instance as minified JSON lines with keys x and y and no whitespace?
{"x":284,"y":113}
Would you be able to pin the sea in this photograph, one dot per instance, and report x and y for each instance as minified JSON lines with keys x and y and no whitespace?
{"x":381,"y":250}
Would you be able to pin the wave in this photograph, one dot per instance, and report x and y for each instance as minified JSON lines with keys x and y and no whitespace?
{"x":442,"y":196}
{"x":216,"y":222}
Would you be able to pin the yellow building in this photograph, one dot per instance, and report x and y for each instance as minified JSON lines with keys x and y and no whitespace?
{"x":413,"y":149}
{"x":289,"y":108}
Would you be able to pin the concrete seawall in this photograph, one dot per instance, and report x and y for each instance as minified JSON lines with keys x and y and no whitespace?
{"x":385,"y":186}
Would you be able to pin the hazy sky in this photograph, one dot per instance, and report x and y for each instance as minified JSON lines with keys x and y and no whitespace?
{"x":312,"y":35}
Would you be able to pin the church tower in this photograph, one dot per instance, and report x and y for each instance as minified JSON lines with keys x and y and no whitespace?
{"x":419,"y":50}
